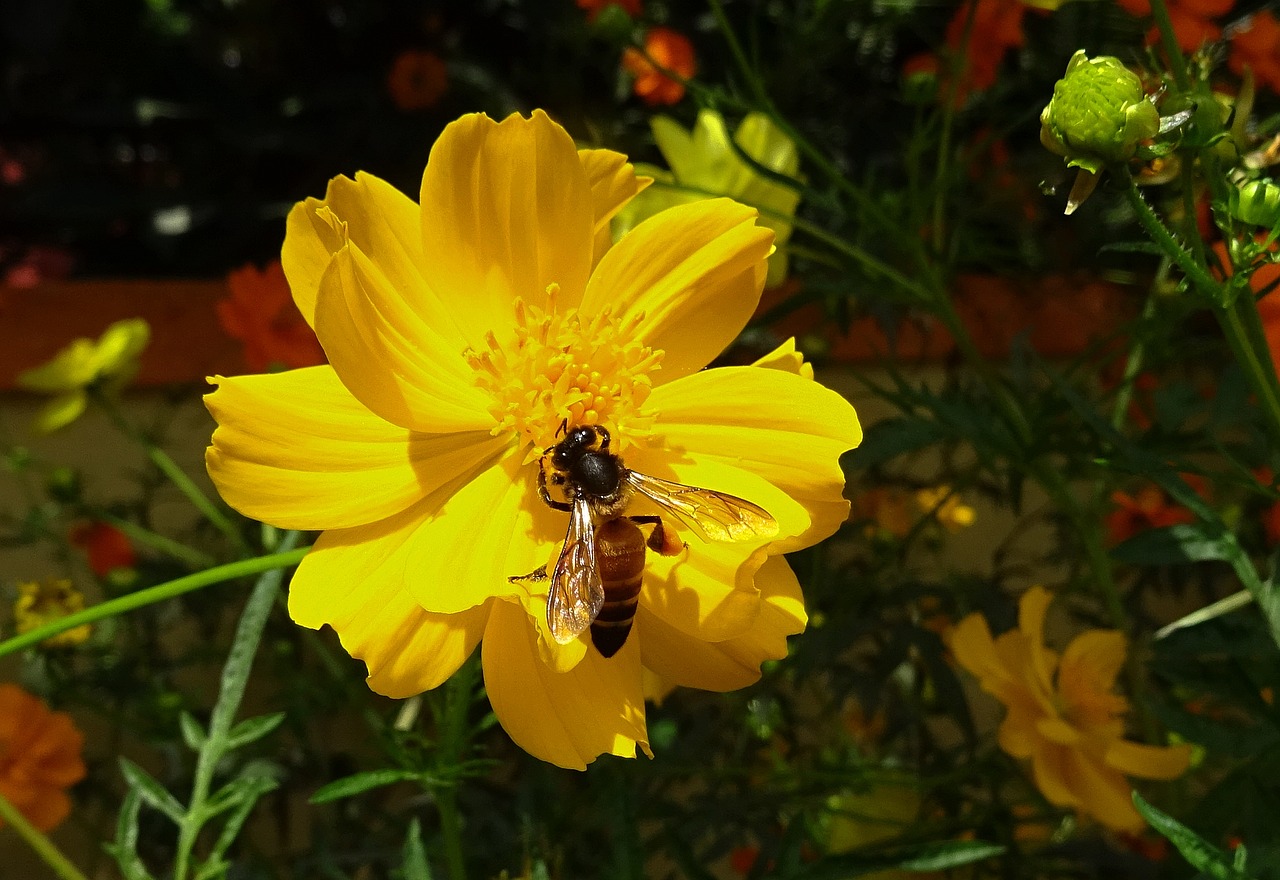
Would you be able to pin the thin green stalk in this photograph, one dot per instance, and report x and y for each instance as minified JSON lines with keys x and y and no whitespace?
{"x":147,"y":538}
{"x":39,"y":842}
{"x":1169,"y":42}
{"x":453,"y":735}
{"x":944,"y":139}
{"x":235,"y":677}
{"x":152,"y":595}
{"x":1133,"y":363}
{"x":1238,"y":317}
{"x":170,"y":469}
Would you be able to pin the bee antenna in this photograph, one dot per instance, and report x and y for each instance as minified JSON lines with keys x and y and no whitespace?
{"x":563,"y":429}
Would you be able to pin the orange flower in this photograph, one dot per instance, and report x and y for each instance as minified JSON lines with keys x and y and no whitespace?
{"x":107,"y":547}
{"x":1257,"y":44}
{"x":997,"y":28}
{"x":670,"y":51}
{"x":1148,"y":508}
{"x":1062,"y":714}
{"x":594,"y":7}
{"x":261,"y":314}
{"x":39,"y":757}
{"x":1191,"y":19}
{"x":418,"y":80}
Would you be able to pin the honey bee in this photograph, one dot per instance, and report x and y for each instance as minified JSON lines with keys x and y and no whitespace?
{"x":597,"y":577}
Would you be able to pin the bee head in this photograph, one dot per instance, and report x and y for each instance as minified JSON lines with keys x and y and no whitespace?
{"x":578,"y":442}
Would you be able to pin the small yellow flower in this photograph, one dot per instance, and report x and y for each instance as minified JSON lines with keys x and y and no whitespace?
{"x":41,"y":602}
{"x":1062,"y":713}
{"x":464,"y":336}
{"x":705,"y":161}
{"x":109,"y":362}
{"x":947,"y":508}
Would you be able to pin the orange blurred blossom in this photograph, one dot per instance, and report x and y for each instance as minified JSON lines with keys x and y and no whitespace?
{"x":593,"y":8}
{"x":418,"y":80}
{"x":1192,"y":20}
{"x":39,"y":757}
{"x":670,"y":51}
{"x":106,"y":547}
{"x":1062,"y":713}
{"x":261,"y":314}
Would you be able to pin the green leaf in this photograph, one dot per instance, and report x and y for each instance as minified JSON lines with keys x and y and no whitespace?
{"x":360,"y":782}
{"x":1172,"y":545}
{"x":891,"y":438}
{"x":1202,"y":855}
{"x":246,"y":794}
{"x":152,"y":792}
{"x":125,"y":848}
{"x":414,"y":860}
{"x":193,"y":733}
{"x":252,"y":729}
{"x":922,"y":858}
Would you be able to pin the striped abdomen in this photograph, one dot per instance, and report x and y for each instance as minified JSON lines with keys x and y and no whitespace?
{"x":620,"y":547}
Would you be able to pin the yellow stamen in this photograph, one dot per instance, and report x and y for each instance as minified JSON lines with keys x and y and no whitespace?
{"x":562,"y":368}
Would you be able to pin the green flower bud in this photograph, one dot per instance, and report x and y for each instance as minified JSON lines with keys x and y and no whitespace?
{"x":1256,"y":203}
{"x":1099,"y":113}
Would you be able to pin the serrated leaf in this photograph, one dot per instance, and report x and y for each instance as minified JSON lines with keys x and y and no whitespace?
{"x":360,"y":782}
{"x":151,"y":791}
{"x":1201,"y":855}
{"x":414,"y":859}
{"x":252,"y":729}
{"x":193,"y":733}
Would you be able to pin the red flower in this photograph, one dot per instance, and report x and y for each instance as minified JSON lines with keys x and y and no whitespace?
{"x":996,"y":28}
{"x":1257,"y":44}
{"x":669,"y":50}
{"x":417,"y":80}
{"x":107,"y":547}
{"x":261,"y":314}
{"x":1191,"y":19}
{"x":594,"y":7}
{"x":1148,"y":508}
{"x":39,"y":757}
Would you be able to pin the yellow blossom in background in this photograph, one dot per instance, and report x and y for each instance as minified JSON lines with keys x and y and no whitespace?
{"x":108,"y":362}
{"x":947,"y":508}
{"x":705,"y":162}
{"x":464,"y":336}
{"x":1062,"y":712}
{"x":886,"y":810}
{"x":41,"y":602}
{"x":39,"y":757}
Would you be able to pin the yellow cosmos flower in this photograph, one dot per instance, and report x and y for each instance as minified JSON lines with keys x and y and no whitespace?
{"x":110,"y":362}
{"x":41,"y":602}
{"x":464,"y":335}
{"x":1062,"y":713}
{"x":705,"y":160}
{"x":947,"y":508}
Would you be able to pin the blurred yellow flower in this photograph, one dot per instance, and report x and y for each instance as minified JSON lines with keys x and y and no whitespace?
{"x":1062,"y":713}
{"x":947,"y":508}
{"x":41,"y":602}
{"x":464,"y":336}
{"x":705,"y":163}
{"x":876,"y":816}
{"x":108,"y":362}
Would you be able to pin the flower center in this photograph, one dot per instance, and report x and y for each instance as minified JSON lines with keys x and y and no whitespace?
{"x":566,"y":369}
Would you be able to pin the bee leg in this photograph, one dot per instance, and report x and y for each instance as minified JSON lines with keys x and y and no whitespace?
{"x":538,"y":574}
{"x":546,"y":496}
{"x":662,"y":539}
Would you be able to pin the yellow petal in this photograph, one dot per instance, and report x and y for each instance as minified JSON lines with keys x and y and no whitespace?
{"x":72,"y":367}
{"x":392,"y":360}
{"x":1058,"y":731}
{"x":506,"y":211}
{"x":681,"y":659}
{"x":788,"y":358}
{"x":354,"y":580}
{"x":708,"y":591}
{"x":1087,"y":673}
{"x":1032,"y":608}
{"x":119,"y":346}
{"x":776,"y":424}
{"x":382,"y":222}
{"x":492,"y":529}
{"x":613,"y":183}
{"x":566,"y":718}
{"x":686,"y":160}
{"x":695,"y":271}
{"x":1148,"y":762}
{"x":61,"y":411}
{"x":295,"y":449}
{"x":1052,"y":770}
{"x":1102,"y":792}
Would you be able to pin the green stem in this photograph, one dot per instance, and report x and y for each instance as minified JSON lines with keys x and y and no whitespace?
{"x":453,"y":744}
{"x":151,"y":595}
{"x":235,"y":677}
{"x":944,"y":139}
{"x":170,"y":469}
{"x":147,"y":538}
{"x":1169,"y":42}
{"x":39,"y":842}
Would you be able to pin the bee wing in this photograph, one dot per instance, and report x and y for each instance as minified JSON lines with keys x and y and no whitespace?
{"x":577,"y":593}
{"x":715,"y":516}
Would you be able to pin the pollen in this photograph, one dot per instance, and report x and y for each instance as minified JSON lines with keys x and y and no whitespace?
{"x":563,"y":369}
